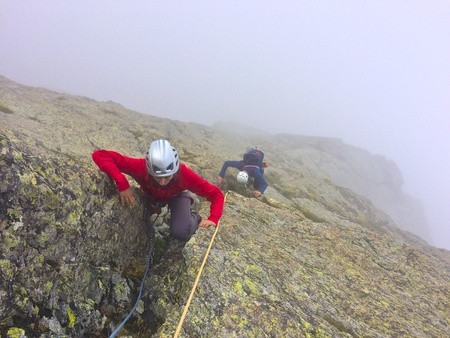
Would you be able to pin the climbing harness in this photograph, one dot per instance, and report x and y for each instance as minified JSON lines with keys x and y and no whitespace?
{"x":147,"y":268}
{"x":186,"y":307}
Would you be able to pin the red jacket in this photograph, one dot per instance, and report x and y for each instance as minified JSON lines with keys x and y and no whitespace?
{"x":116,"y":165}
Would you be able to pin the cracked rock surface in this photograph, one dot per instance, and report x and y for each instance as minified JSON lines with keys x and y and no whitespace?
{"x":314,"y":257}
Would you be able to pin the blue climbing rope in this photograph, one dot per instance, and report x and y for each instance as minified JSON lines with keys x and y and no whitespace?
{"x":147,"y":268}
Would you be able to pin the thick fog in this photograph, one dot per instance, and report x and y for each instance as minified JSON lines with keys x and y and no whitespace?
{"x":373,"y":73}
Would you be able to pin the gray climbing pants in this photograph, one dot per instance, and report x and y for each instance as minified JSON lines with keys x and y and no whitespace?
{"x":183,"y":223}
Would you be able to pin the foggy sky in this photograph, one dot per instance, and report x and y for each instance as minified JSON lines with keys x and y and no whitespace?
{"x":373,"y":73}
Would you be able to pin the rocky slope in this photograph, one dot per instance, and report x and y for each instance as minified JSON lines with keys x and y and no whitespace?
{"x":311,"y":259}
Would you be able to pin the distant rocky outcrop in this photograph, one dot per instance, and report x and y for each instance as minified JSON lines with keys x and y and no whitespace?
{"x":319,"y":255}
{"x":372,"y":176}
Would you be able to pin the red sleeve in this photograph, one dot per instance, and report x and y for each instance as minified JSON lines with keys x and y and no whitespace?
{"x":203,"y":188}
{"x":115,"y":164}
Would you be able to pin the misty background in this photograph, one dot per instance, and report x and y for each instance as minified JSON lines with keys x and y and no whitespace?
{"x":375,"y":74}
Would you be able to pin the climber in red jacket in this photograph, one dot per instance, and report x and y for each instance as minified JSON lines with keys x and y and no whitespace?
{"x":165,"y":181}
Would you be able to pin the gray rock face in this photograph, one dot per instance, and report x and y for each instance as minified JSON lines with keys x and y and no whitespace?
{"x":312,"y":258}
{"x":372,"y":176}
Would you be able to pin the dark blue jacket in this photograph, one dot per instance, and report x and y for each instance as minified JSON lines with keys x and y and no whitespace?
{"x":254,"y":171}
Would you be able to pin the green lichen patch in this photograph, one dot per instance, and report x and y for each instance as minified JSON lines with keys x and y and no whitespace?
{"x":5,"y":109}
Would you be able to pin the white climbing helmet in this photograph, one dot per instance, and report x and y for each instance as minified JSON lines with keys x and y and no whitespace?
{"x":162,"y":159}
{"x":242,"y":177}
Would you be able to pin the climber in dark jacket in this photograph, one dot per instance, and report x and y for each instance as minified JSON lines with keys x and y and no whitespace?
{"x":246,"y":171}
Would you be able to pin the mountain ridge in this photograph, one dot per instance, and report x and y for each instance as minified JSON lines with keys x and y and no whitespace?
{"x":312,"y":258}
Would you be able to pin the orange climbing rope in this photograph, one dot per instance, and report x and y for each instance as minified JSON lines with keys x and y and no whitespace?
{"x":186,"y":307}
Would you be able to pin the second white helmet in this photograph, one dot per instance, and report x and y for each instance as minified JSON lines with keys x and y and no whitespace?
{"x":242,"y":177}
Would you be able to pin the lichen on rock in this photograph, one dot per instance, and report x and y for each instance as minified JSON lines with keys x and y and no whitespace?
{"x":311,"y":258}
